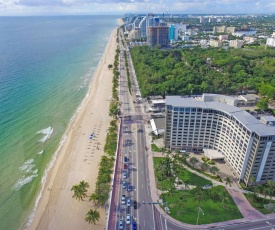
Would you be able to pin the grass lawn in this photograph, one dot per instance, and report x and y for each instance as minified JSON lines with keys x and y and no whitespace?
{"x":155,"y":148}
{"x":258,"y":204}
{"x":193,"y":178}
{"x":186,"y":210}
{"x":184,"y":175}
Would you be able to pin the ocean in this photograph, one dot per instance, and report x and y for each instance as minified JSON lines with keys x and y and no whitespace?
{"x":46,"y":65}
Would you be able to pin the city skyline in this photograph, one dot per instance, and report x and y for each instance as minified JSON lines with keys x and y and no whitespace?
{"x":119,"y":7}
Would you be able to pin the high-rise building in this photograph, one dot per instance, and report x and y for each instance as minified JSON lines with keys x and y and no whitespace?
{"x":158,"y":35}
{"x":180,"y":30}
{"x":135,"y":34}
{"x":213,"y":122}
{"x":142,"y":26}
{"x":136,"y":22}
{"x":147,"y":21}
{"x":172,"y":32}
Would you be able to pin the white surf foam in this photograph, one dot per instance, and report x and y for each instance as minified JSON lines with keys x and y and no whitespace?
{"x":24,"y":180}
{"x":47,"y":133}
{"x":27,"y":166}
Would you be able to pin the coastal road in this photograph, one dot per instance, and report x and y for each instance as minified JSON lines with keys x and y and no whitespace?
{"x":133,"y":146}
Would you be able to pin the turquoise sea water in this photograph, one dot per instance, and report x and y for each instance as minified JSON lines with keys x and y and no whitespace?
{"x":46,"y":64}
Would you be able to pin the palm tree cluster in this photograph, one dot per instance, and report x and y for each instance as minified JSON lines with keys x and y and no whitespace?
{"x":101,"y":193}
{"x":169,"y":167}
{"x":114,"y":105}
{"x":265,"y":190}
{"x":80,"y":190}
{"x":111,"y":139}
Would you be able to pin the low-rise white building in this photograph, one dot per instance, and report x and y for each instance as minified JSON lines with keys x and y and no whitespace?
{"x":236,"y":43}
{"x":270,"y":42}
{"x":215,"y":43}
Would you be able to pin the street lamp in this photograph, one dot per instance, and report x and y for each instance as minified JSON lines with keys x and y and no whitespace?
{"x":199,"y":210}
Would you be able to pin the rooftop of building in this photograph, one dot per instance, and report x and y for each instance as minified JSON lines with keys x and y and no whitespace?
{"x":245,"y":118}
{"x":250,"y":97}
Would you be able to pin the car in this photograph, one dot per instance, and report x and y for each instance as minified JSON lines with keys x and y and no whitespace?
{"x":123,"y":199}
{"x":129,"y":188}
{"x":125,"y":159}
{"x":124,"y":175}
{"x":125,"y":166}
{"x":128,"y":219}
{"x":121,"y":224}
{"x":182,"y":151}
{"x":129,"y":202}
{"x":134,"y":226}
{"x":135,"y":204}
{"x":124,"y":184}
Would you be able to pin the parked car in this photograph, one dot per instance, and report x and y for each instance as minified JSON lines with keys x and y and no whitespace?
{"x":129,"y":188}
{"x":128,"y":219}
{"x":129,"y":202}
{"x":125,"y":159}
{"x":124,"y":184}
{"x":125,"y":166}
{"x":121,"y":224}
{"x":123,"y":199}
{"x":134,"y":226}
{"x":124,"y":175}
{"x":135,"y":204}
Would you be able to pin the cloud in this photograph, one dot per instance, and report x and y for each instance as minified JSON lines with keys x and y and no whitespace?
{"x":36,"y":7}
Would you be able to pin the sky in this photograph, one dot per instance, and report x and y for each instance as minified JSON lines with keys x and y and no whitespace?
{"x":120,"y":7}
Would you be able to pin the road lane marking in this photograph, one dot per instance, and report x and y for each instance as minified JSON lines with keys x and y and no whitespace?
{"x":153,"y":216}
{"x":165,"y":224}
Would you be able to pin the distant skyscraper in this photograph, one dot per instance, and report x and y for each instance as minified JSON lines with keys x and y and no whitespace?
{"x":158,"y":35}
{"x":137,"y":21}
{"x":147,"y":21}
{"x":172,"y":32}
{"x":142,"y":26}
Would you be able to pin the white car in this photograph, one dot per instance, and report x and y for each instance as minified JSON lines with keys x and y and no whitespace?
{"x":124,"y":184}
{"x":128,"y":219}
{"x":121,"y":224}
{"x":124,"y":175}
{"x":129,"y":202}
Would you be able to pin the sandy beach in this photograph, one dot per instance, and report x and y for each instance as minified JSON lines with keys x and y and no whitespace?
{"x":79,"y":157}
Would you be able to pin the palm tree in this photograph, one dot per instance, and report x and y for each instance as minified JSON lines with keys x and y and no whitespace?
{"x":79,"y":192}
{"x":204,"y":166}
{"x":199,"y":194}
{"x":193,"y":161}
{"x":223,"y":194}
{"x":184,"y":157}
{"x":214,"y":170}
{"x":228,"y":181}
{"x":92,"y":216}
{"x":94,"y":198}
{"x":84,"y":184}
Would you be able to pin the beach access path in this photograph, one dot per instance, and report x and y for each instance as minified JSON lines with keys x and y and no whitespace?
{"x":78,"y":159}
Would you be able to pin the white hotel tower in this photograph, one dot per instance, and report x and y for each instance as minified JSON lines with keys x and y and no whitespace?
{"x":214,"y":122}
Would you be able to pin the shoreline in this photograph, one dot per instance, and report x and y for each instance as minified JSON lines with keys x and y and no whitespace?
{"x":75,"y":159}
